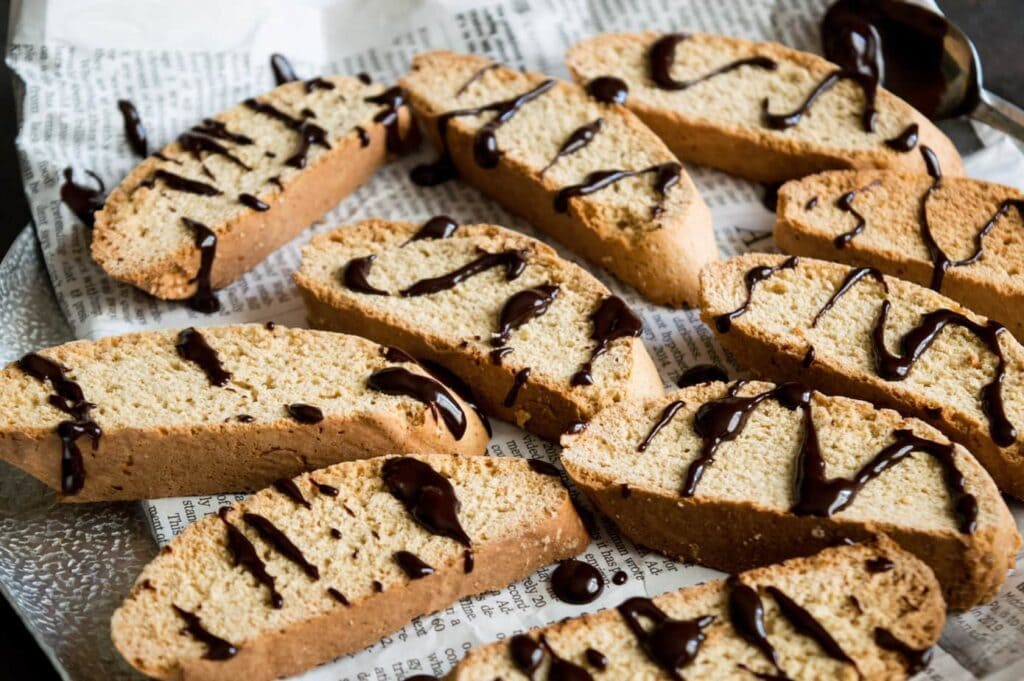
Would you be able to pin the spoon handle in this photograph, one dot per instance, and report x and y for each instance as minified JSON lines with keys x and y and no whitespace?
{"x":995,"y":111}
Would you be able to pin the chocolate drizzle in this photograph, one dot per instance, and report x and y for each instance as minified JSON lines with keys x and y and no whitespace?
{"x":205,"y":138}
{"x":701,"y":373}
{"x":905,"y":141}
{"x":527,"y":655}
{"x":514,"y":262}
{"x":309,"y":134}
{"x":562,"y":669}
{"x":244,"y":553}
{"x":180,"y":184}
{"x":596,"y":659}
{"x":619,"y":578}
{"x":392,"y":99}
{"x":203,"y":300}
{"x":216,"y":647}
{"x":412,"y":565}
{"x":579,"y":138}
{"x":402,"y":382}
{"x":134,"y":130}
{"x":915,"y":660}
{"x":746,"y":613}
{"x":753,"y":277}
{"x":427,"y":496}
{"x":356,"y":275}
{"x":250,"y":201}
{"x":83,"y":201}
{"x":273,"y":112}
{"x":666,"y":176}
{"x":192,"y":346}
{"x":783,"y":121}
{"x":608,"y":90}
{"x":282,"y":68}
{"x":67,"y":397}
{"x":317,"y":83}
{"x":280,"y":542}
{"x":211,"y":127}
{"x":849,"y":282}
{"x":523,"y":307}
{"x":518,"y":381}
{"x":671,"y":644}
{"x":667,"y":415}
{"x":805,"y":623}
{"x":337,"y":595}
{"x":437,"y":227}
{"x":304,"y":413}
{"x":485,"y":145}
{"x":845,"y":204}
{"x":476,"y":75}
{"x":364,"y":137}
{"x":326,"y":490}
{"x":879,"y":564}
{"x":287,"y":487}
{"x":611,"y":320}
{"x":576,"y":582}
{"x":662,"y":56}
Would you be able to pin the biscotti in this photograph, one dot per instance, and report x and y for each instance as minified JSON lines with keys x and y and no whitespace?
{"x":214,"y":203}
{"x":575,"y":164}
{"x":964,"y":238}
{"x":542,"y":342}
{"x":327,"y":563}
{"x":735,"y":476}
{"x":853,"y":331}
{"x":759,"y":110}
{"x":222,"y":409}
{"x":830,"y":616}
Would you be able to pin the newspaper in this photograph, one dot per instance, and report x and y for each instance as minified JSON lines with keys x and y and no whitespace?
{"x":181,"y":61}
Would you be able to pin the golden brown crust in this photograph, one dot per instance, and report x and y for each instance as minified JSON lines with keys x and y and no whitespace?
{"x":662,"y":263}
{"x":758,"y":154}
{"x":892,"y":243}
{"x":545,"y":405}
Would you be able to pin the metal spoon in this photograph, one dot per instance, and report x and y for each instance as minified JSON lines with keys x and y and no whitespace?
{"x":924,"y":59}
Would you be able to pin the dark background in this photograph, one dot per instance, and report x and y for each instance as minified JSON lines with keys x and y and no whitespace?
{"x":995,"y":26}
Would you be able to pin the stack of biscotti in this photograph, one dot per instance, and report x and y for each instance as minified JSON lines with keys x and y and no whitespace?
{"x":959,"y":236}
{"x":856,"y":332}
{"x":214,"y":203}
{"x":734,"y":476}
{"x":221,"y":409}
{"x":750,"y":108}
{"x":827,"y":617}
{"x":576,"y":164}
{"x":542,"y":342}
{"x":327,"y":563}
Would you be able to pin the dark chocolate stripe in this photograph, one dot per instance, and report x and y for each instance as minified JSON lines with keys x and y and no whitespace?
{"x":244,"y":553}
{"x":280,"y":542}
{"x":666,"y":176}
{"x":427,"y":495}
{"x":753,"y":277}
{"x":513,"y":261}
{"x":192,"y":346}
{"x":662,"y":56}
{"x":402,"y":382}
{"x":216,"y":647}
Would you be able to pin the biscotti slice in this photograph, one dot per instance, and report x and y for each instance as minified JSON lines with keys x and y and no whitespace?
{"x":542,"y":343}
{"x":222,"y":409}
{"x":830,"y":616}
{"x":759,"y":110}
{"x":962,"y":237}
{"x":578,"y":166}
{"x":214,"y":203}
{"x":327,"y":563}
{"x":852,"y":331}
{"x":734,"y":476}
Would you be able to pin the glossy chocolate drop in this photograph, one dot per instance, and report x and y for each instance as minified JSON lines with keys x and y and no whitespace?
{"x":364,"y":136}
{"x":596,"y":659}
{"x":527,"y":655}
{"x":453,"y":381}
{"x":326,"y":490}
{"x":83,"y":201}
{"x":575,"y":427}
{"x":305,"y":413}
{"x":309,"y":134}
{"x":578,"y":139}
{"x":666,"y":176}
{"x":811,"y":203}
{"x":216,"y":647}
{"x":244,"y":553}
{"x":905,"y":141}
{"x":671,"y":644}
{"x":392,"y":100}
{"x":335,"y":533}
{"x":192,"y":346}
{"x":412,"y":565}
{"x":702,"y":373}
{"x":317,"y":83}
{"x":746,"y":613}
{"x":611,"y":320}
{"x":337,"y":595}
{"x":250,"y":201}
{"x":356,"y":273}
{"x":879,"y":564}
{"x":805,"y":623}
{"x":437,"y":227}
{"x":523,"y":307}
{"x":397,"y":355}
{"x":134,"y":130}
{"x":280,"y":542}
{"x":662,"y":56}
{"x":576,"y":582}
{"x":619,"y":578}
{"x":282,"y":68}
{"x":427,"y":496}
{"x":561,"y":669}
{"x":667,"y":414}
{"x":287,"y":487}
{"x":513,"y":262}
{"x":181,"y":184}
{"x":518,"y":381}
{"x":400,"y":381}
{"x":468,"y":561}
{"x":845,"y":204}
{"x":543,"y":467}
{"x":753,"y":277}
{"x":203,"y":300}
{"x":914,"y":660}
{"x":608,"y":90}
